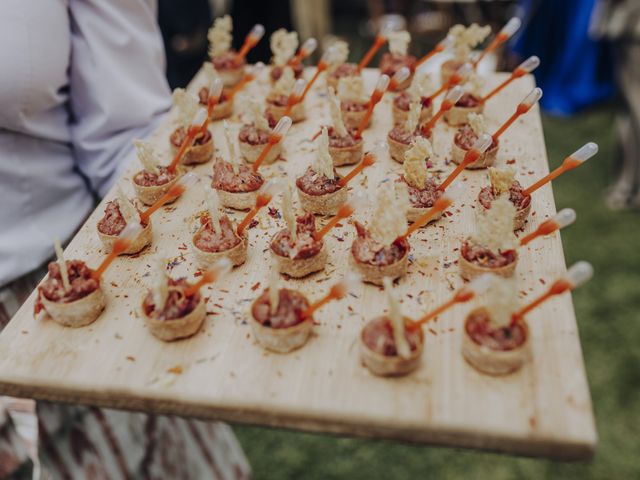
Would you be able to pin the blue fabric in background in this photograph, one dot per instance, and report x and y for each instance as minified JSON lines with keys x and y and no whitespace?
{"x":575,"y":71}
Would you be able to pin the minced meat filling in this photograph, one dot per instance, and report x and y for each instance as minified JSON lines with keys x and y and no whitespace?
{"x":516,"y":194}
{"x":484,"y":257}
{"x":479,"y":328}
{"x":313,"y":183}
{"x":404,"y":99}
{"x":306,"y":246}
{"x":366,"y":250}
{"x":291,"y":307}
{"x":179,"y":134}
{"x":353,"y":106}
{"x":468,"y":100}
{"x":113,"y":221}
{"x":154,"y":179}
{"x":345,"y":70}
{"x":207,"y":240}
{"x":276,"y":71}
{"x":424,"y":197}
{"x":227,"y":61}
{"x":177,"y":304}
{"x":245,"y":180}
{"x":250,"y":134}
{"x":390,"y":63}
{"x":278,"y":100}
{"x":81,"y":283}
{"x":203,"y":96}
{"x":400,"y":135}
{"x":378,"y":336}
{"x":336,"y":141}
{"x":465,"y":137}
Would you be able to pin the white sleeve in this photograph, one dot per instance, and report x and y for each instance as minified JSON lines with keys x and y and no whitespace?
{"x":118,"y":89}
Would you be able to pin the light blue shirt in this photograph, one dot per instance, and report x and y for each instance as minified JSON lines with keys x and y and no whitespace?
{"x":80,"y":80}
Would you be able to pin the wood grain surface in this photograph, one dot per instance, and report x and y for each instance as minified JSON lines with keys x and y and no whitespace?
{"x":544,"y":409}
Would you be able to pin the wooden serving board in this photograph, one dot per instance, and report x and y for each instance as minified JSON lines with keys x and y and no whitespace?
{"x":544,"y":409}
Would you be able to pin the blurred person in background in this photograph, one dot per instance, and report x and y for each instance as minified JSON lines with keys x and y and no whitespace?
{"x":80,"y":80}
{"x":619,"y":22}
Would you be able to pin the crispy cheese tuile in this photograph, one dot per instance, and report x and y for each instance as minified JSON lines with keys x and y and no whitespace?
{"x":389,"y":221}
{"x":289,"y":214}
{"x":213,"y":207}
{"x":399,"y":42}
{"x":127,"y":209}
{"x":219,"y":36}
{"x":415,"y":165}
{"x":322,"y":163}
{"x":274,"y":289}
{"x":351,"y":89}
{"x":495,"y":226}
{"x":421,"y":86}
{"x":477,"y":123}
{"x":186,"y":105}
{"x":283,"y":46}
{"x":233,"y":158}
{"x":397,"y":322}
{"x":257,"y":115}
{"x":413,"y":117}
{"x":474,"y":84}
{"x":501,"y":179}
{"x":160,"y":290}
{"x":210,"y":73}
{"x":336,"y":114}
{"x":146,"y":155}
{"x":64,"y":273}
{"x":285,"y":83}
{"x":501,"y":301}
{"x":466,"y":39}
{"x":340,"y":53}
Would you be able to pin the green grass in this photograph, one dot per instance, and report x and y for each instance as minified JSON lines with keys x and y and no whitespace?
{"x":608,"y":311}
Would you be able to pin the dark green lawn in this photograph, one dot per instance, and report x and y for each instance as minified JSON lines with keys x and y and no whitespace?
{"x":608,"y":310}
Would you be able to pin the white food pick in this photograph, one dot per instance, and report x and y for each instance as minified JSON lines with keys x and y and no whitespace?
{"x":322,"y":163}
{"x":64,"y":273}
{"x":219,"y":36}
{"x":399,"y":42}
{"x":146,"y":155}
{"x":336,"y":114}
{"x":283,"y":46}
{"x":397,"y":321}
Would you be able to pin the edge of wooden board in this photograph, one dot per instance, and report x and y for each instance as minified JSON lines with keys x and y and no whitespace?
{"x":533,"y":446}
